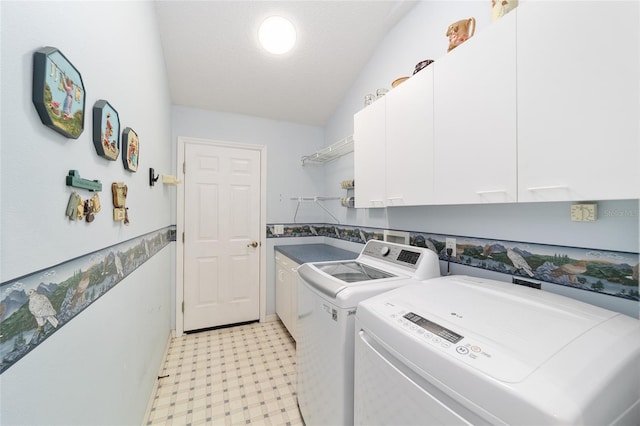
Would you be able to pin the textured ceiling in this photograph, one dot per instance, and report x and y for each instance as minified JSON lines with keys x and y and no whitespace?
{"x":214,"y":61}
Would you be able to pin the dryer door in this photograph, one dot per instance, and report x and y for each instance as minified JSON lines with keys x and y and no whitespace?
{"x":388,"y":392}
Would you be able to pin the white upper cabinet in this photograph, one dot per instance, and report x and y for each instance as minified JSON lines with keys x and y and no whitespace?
{"x":393,"y":144}
{"x":475,"y":118}
{"x":543,"y":105}
{"x":409,"y":141}
{"x":578,"y":100}
{"x":369,"y":128}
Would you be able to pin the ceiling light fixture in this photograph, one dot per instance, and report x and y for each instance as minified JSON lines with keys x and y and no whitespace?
{"x":277,"y":35}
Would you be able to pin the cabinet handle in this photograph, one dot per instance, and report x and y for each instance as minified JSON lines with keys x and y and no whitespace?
{"x":374,"y":202}
{"x":493,"y":191}
{"x":545,"y":188}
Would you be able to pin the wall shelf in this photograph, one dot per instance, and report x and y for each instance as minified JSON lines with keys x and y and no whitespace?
{"x":331,"y":152}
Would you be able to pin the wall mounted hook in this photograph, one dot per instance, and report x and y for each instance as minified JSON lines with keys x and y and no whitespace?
{"x":152,"y":177}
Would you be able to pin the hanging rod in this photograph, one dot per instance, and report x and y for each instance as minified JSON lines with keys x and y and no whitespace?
{"x":314,"y":200}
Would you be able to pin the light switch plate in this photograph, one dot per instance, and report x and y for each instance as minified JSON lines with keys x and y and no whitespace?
{"x":278,"y":229}
{"x":586,"y":212}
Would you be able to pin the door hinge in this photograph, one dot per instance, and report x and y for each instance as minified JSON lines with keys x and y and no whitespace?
{"x":184,"y":167}
{"x":183,"y":237}
{"x":183,"y":307}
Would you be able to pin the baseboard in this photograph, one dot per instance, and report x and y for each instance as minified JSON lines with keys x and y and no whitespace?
{"x":154,"y":390}
{"x":271,"y":318}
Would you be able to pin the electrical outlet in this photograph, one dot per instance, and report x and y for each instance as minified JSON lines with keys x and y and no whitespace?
{"x":278,"y":229}
{"x":451,"y":244}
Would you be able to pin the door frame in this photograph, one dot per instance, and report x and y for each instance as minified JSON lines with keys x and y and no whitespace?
{"x":180,"y":207}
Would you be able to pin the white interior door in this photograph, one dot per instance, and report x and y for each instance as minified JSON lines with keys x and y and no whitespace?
{"x":221,"y":235}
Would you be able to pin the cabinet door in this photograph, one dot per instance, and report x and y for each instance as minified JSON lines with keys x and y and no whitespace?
{"x":369,"y":155}
{"x":293,"y":301}
{"x":409,"y":144}
{"x":283,"y":292}
{"x":475,"y":118}
{"x":287,"y":292}
{"x":578,"y":100}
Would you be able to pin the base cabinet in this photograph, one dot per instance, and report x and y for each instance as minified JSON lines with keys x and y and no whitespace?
{"x":287,"y":292}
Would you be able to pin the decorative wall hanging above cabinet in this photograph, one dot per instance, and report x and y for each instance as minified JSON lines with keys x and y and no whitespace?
{"x":58,"y":92}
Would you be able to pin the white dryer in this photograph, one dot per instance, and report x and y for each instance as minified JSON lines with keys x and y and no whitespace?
{"x":464,"y":351}
{"x":328,"y":293}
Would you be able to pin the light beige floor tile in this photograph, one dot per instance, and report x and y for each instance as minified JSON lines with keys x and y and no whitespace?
{"x":241,"y":375}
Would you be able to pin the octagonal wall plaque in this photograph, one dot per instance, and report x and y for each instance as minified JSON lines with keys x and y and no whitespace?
{"x":106,"y":130}
{"x":58,"y":92}
{"x":130,"y":149}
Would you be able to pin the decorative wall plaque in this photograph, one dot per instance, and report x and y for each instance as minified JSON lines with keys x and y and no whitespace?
{"x":106,"y":130}
{"x":131,"y":149}
{"x":58,"y":92}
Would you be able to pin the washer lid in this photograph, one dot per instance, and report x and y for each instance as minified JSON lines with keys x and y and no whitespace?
{"x":351,"y":272}
{"x":333,"y":277}
{"x":504,"y":330}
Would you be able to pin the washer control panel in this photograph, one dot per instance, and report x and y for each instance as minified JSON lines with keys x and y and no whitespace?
{"x":438,"y":336}
{"x":468,"y":349}
{"x":434,"y":328}
{"x":406,"y":256}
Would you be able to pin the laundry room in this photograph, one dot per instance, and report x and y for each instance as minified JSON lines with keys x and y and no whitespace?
{"x":196,"y":230}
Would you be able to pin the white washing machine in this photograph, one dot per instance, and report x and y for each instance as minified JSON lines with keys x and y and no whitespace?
{"x":464,"y":351}
{"x":328,"y":293}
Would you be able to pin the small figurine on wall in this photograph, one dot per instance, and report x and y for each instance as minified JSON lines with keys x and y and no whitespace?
{"x":77,"y":208}
{"x":120,"y":211}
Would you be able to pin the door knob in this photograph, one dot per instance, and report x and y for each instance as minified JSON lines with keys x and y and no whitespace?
{"x":253,"y":244}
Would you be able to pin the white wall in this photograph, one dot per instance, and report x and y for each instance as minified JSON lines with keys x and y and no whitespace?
{"x":100,"y":367}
